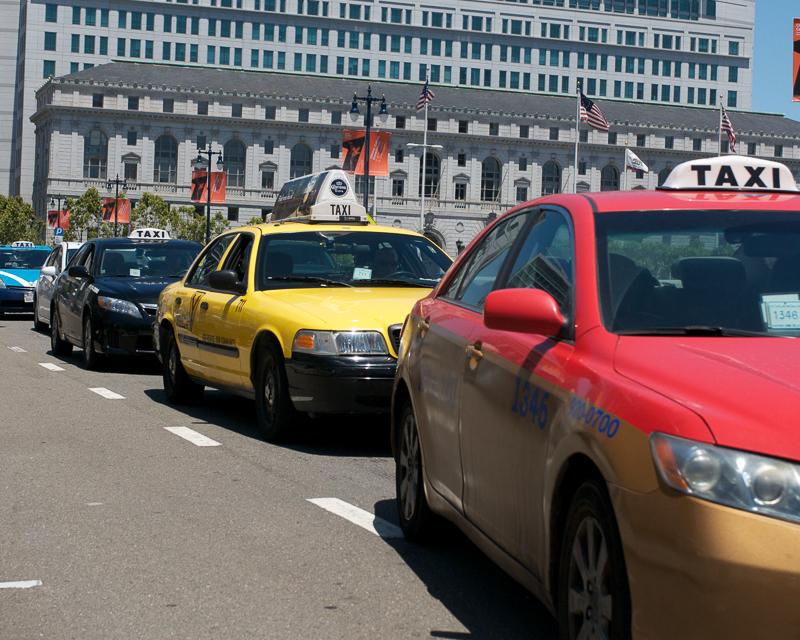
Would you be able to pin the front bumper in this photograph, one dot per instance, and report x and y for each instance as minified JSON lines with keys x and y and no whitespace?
{"x":13,"y":299}
{"x":341,"y":384}
{"x":701,"y":570}
{"x":124,"y":336}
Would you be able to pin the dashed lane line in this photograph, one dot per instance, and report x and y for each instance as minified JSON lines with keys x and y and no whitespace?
{"x":193,"y":436}
{"x":106,"y":393}
{"x":21,"y":584}
{"x":17,"y":349}
{"x":50,"y":366}
{"x":358,"y":516}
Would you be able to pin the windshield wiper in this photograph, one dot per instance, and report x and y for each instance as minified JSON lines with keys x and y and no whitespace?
{"x":333,"y":283}
{"x":697,"y":330}
{"x":391,"y":282}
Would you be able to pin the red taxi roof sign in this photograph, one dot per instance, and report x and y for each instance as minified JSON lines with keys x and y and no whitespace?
{"x":730,"y":173}
{"x":319,"y":197}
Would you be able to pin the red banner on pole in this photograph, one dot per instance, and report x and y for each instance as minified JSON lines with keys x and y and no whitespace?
{"x":219,"y":180}
{"x":796,"y":59}
{"x":353,"y":150}
{"x":56,"y":218}
{"x":123,"y":210}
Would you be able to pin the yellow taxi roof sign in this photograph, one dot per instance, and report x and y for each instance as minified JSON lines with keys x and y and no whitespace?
{"x":730,"y":173}
{"x":319,"y":197}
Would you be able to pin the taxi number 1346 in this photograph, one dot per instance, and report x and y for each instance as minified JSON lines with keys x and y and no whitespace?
{"x":530,"y":401}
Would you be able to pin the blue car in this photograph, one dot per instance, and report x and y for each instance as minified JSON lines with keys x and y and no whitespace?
{"x":20,"y":264}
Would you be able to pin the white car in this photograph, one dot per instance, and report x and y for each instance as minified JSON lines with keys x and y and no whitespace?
{"x":56,"y":262}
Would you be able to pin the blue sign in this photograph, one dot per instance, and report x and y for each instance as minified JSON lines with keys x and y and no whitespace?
{"x":58,"y":231}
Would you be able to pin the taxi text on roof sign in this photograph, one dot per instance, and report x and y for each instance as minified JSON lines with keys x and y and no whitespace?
{"x":150,"y":233}
{"x":319,"y":197}
{"x":22,"y":243}
{"x":731,"y":173}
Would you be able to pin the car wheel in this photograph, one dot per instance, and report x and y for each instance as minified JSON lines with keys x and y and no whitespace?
{"x":178,"y":386}
{"x":38,"y":325}
{"x":593,"y":596}
{"x":58,"y":345}
{"x":91,"y":359}
{"x":274,"y":411}
{"x":416,"y":518}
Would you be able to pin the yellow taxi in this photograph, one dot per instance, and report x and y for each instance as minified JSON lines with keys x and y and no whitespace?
{"x":303,"y":313}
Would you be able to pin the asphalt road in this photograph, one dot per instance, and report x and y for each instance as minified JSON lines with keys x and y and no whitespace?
{"x":136,"y":532}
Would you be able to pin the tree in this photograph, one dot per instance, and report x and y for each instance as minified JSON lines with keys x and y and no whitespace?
{"x":18,"y":221}
{"x":154,"y":211}
{"x":192,"y":225}
{"x":84,"y":212}
{"x":256,"y":220}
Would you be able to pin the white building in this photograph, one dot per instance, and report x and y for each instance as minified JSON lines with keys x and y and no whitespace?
{"x":146,"y":123}
{"x":695,"y":52}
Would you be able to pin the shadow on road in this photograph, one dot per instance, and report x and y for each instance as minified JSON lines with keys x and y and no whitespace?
{"x":346,"y":436}
{"x":486,"y":601}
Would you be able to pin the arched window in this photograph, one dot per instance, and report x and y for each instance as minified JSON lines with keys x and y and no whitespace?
{"x":233,"y":155}
{"x":432,"y":175}
{"x":490,"y":180}
{"x":95,"y":154}
{"x":583,"y":187}
{"x":609,"y":178}
{"x":663,"y":175}
{"x":551,"y":178}
{"x":300,"y":164}
{"x":165,"y":166}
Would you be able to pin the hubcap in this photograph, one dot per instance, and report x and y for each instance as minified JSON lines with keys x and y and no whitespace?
{"x":172,"y":363}
{"x":269,"y":389}
{"x":590,"y":602}
{"x":409,"y":467}
{"x":87,"y":337}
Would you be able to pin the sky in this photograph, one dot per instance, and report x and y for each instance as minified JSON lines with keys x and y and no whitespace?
{"x":772,"y":64}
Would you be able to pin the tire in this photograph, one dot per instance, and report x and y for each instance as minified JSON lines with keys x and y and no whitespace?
{"x":274,"y":410}
{"x":416,"y":518}
{"x":596,"y":595}
{"x":39,"y":326}
{"x":178,"y":386}
{"x":58,"y":345}
{"x":91,"y":359}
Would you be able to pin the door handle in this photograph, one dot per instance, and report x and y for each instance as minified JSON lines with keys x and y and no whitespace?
{"x":425,"y":323}
{"x":204,"y":306}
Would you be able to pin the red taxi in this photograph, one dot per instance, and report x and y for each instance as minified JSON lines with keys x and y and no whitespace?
{"x":601,"y":393}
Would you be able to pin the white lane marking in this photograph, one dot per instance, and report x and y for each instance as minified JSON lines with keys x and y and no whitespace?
{"x":93,"y":504}
{"x":50,"y":366}
{"x":18,"y":350}
{"x":193,"y":436}
{"x":21,"y":584}
{"x":356,"y":515}
{"x":106,"y":393}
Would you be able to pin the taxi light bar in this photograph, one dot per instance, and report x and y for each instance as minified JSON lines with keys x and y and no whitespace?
{"x":150,"y":233}
{"x":319,"y":197}
{"x":731,"y":173}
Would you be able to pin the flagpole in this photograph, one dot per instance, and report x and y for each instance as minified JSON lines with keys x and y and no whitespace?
{"x":577,"y":137}
{"x":719,"y":130}
{"x":424,"y":153}
{"x":624,"y":170}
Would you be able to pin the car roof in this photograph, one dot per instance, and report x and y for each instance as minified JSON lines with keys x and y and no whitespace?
{"x":296,"y":226}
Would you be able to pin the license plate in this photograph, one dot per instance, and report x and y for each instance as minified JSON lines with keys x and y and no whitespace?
{"x":28,"y":296}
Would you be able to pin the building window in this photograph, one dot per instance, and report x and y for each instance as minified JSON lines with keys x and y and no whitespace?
{"x":582,"y":167}
{"x":51,"y":13}
{"x":48,"y":68}
{"x":131,"y":171}
{"x":669,"y":142}
{"x":612,"y":137}
{"x":95,"y":155}
{"x":336,"y":117}
{"x":234,"y":154}
{"x":399,"y":155}
{"x":522,"y":193}
{"x":461,"y":191}
{"x":268,"y":179}
{"x":641,"y":140}
{"x":168,"y":105}
{"x":494,"y":128}
{"x":778,"y":150}
{"x":269,"y":113}
{"x":233,"y":214}
{"x":553,"y":133}
{"x":133,"y":103}
{"x":609,"y":178}
{"x":302,"y":115}
{"x":697,"y":144}
{"x":584,"y":135}
{"x":751,"y":148}
{"x":202,"y":108}
{"x":200,"y":141}
{"x":463,"y":125}
{"x":132,"y":137}
{"x":335,"y":149}
{"x":399,"y":122}
{"x":432,"y":123}
{"x":97,"y":100}
{"x":49,"y":40}
{"x":432,"y":175}
{"x":551,"y":178}
{"x":300,"y":161}
{"x":524,"y":131}
{"x":165,"y":161}
{"x":236,"y":110}
{"x":269,"y":146}
{"x":490,"y":180}
{"x":462,"y":159}
{"x":398,"y":187}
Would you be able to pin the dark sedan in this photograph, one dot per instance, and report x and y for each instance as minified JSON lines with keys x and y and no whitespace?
{"x":106,"y":301}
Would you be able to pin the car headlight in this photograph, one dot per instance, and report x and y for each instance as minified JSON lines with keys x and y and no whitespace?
{"x":118,"y":306}
{"x":747,"y":481}
{"x":340,"y":343}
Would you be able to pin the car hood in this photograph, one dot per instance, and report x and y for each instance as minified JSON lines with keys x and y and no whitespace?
{"x":144,"y":290}
{"x":351,"y":308}
{"x":746,"y":389}
{"x":19,"y":277}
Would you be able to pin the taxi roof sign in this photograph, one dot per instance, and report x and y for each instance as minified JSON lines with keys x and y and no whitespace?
{"x":319,"y":197}
{"x":22,"y":243}
{"x":150,"y":233}
{"x":730,"y":173}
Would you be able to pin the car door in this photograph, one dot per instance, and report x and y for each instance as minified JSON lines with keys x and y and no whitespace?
{"x":72,"y":292}
{"x":44,"y":288}
{"x":513,"y":394}
{"x":218,"y":316}
{"x":187,"y":300}
{"x":443,"y":332}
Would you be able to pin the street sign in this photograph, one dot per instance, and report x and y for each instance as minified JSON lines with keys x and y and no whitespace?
{"x":58,"y":231}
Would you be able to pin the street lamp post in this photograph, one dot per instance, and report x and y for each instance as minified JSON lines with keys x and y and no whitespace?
{"x":53,"y":200}
{"x":383,"y":113}
{"x":201,"y":161}
{"x":117,"y":183}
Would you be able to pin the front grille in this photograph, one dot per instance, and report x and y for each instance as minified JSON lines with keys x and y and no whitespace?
{"x":150,"y":309}
{"x":394,"y":336}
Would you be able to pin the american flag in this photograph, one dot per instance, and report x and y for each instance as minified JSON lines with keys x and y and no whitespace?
{"x":425,"y":97}
{"x":727,"y":127}
{"x":591,"y":113}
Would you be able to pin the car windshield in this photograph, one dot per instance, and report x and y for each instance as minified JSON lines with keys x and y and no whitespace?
{"x":349,"y":258}
{"x":145,"y":260}
{"x":23,"y":258}
{"x":706,"y":273}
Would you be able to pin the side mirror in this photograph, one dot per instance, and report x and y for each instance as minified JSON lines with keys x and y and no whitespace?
{"x":78,"y":271}
{"x":226,"y":280}
{"x":524,"y":311}
{"x":49,"y":270}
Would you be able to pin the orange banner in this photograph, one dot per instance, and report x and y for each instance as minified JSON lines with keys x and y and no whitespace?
{"x":219,"y":181}
{"x":57,"y":219}
{"x":796,"y":58}
{"x":123,"y":210}
{"x":353,"y":149}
